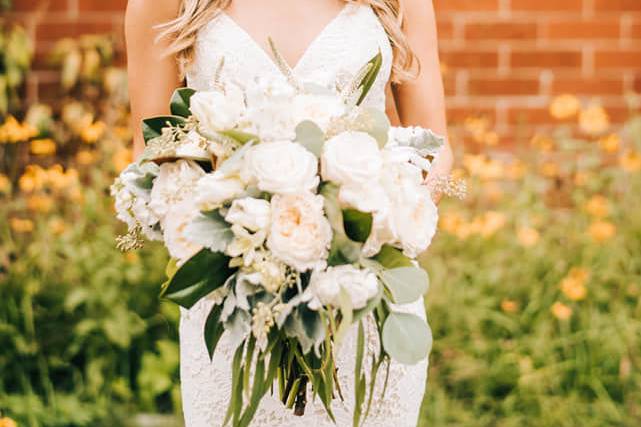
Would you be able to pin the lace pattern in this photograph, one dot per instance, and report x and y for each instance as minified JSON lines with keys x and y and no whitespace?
{"x":341,"y":49}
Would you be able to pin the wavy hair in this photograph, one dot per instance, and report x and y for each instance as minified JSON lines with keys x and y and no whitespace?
{"x":195,"y":14}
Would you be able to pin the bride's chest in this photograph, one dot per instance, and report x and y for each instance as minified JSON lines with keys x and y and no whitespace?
{"x":337,"y":52}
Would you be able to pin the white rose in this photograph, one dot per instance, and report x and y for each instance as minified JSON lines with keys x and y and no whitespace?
{"x":300,"y":234}
{"x":415,"y":218}
{"x":175,"y":182}
{"x":214,"y":189}
{"x":281,"y":167}
{"x":325,"y":286}
{"x":351,"y":158}
{"x":253,"y":214}
{"x":321,"y":109}
{"x":174,"y":224}
{"x":218,"y":110}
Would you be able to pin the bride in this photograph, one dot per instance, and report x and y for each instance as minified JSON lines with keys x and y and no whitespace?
{"x":324,"y":41}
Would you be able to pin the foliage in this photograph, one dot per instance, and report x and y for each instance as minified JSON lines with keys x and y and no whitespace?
{"x":536,"y":281}
{"x":16,"y":52}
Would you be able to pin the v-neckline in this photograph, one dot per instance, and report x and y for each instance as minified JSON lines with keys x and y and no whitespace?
{"x":308,"y":48}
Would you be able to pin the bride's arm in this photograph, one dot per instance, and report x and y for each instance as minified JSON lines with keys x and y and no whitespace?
{"x":420,"y":102}
{"x":152,"y":76}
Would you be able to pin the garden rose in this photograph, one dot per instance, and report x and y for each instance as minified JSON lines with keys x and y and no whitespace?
{"x":300,"y":234}
{"x":351,"y":158}
{"x":178,"y":218}
{"x":281,"y":167}
{"x":218,"y":110}
{"x":320,"y":109}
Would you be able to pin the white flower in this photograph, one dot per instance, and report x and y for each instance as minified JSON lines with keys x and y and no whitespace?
{"x":415,"y":217}
{"x":132,"y":194}
{"x":325,"y":287}
{"x":300,"y":234}
{"x":214,"y":189}
{"x":281,"y":167}
{"x":351,"y":158}
{"x":321,"y":109}
{"x":177,"y":219}
{"x":245,"y":244}
{"x":253,"y":214}
{"x":175,"y":183}
{"x":193,"y":146}
{"x":269,"y":109}
{"x":218,"y":110}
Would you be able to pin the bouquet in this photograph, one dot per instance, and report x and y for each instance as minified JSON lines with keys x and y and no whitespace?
{"x":299,"y":212}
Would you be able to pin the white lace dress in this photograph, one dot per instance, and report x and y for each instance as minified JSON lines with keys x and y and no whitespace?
{"x":343,"y":46}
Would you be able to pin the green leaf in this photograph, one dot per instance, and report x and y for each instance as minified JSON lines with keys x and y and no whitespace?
{"x":370,"y":77}
{"x":358,"y":225}
{"x":347,"y":312}
{"x":310,"y":136}
{"x":343,"y":250}
{"x":240,"y":136}
{"x":390,"y":257}
{"x":152,"y":127}
{"x":213,"y":329}
{"x":374,"y":122}
{"x":201,"y":274}
{"x":407,"y":284}
{"x":406,"y":337}
{"x":210,"y":230}
{"x":180,"y":102}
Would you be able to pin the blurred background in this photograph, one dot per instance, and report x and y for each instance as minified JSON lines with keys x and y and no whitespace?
{"x":535,"y":277}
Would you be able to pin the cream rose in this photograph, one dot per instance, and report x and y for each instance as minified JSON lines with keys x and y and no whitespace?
{"x":351,"y":158}
{"x":325,"y":286}
{"x":253,"y":214}
{"x":321,"y":109}
{"x":218,"y":110}
{"x":281,"y":167}
{"x":300,"y":234}
{"x":174,"y":225}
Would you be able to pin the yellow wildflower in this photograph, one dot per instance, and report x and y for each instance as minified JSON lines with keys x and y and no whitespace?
{"x":528,"y":236}
{"x":631,"y":161}
{"x":85,"y":157}
{"x":610,"y":143}
{"x":121,"y":159}
{"x":515,"y":170}
{"x":573,"y":285}
{"x":20,"y":225}
{"x":451,"y":222}
{"x":40,"y":203}
{"x":491,"y":222}
{"x":483,"y":167}
{"x":598,"y":206}
{"x":57,"y":226}
{"x":601,"y":231}
{"x":561,"y":311}
{"x":33,"y":179}
{"x":42,"y":147}
{"x":594,"y":120}
{"x":493,"y":191}
{"x":5,"y":184}
{"x":92,"y":133}
{"x":509,"y":306}
{"x":549,"y":170}
{"x":542,"y":143}
{"x":12,"y":131}
{"x":565,"y":107}
{"x":581,"y":178}
{"x":7,"y":422}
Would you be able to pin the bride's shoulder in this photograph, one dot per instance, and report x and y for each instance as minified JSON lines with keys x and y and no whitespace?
{"x":143,"y":11}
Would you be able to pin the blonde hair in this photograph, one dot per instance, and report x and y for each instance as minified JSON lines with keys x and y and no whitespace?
{"x":194,"y":14}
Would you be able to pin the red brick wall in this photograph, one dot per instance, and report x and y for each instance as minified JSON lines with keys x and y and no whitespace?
{"x":502,"y":58}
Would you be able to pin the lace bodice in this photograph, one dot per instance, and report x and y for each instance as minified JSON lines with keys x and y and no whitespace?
{"x":336,"y":54}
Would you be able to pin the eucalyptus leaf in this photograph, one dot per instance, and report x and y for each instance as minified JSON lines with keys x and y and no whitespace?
{"x":152,"y":127}
{"x":210,"y":230}
{"x":374,"y":122}
{"x":201,"y":274}
{"x":310,"y":136}
{"x":391,"y":257}
{"x":407,"y":284}
{"x":180,"y":102}
{"x":406,"y":337}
